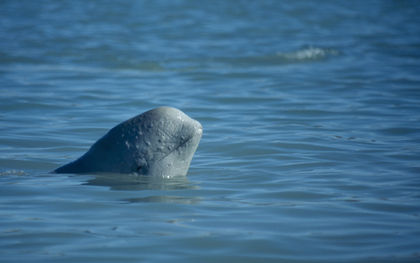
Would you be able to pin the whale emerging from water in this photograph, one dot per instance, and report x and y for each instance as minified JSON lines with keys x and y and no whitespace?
{"x":159,"y":142}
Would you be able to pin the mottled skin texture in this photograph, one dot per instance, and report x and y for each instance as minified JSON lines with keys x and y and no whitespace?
{"x":159,"y":142}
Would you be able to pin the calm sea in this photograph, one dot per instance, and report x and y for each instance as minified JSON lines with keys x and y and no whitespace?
{"x":311,"y":116}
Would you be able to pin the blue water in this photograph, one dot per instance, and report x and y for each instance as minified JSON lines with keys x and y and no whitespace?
{"x":311,"y":116}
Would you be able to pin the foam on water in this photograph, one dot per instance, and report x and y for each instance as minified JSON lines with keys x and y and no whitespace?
{"x":310,"y":53}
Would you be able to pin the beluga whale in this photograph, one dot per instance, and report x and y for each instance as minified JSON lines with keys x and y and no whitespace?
{"x":159,"y":142}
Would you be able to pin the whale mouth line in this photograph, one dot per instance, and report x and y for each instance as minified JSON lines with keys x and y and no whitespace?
{"x":191,"y":135}
{"x":176,"y":148}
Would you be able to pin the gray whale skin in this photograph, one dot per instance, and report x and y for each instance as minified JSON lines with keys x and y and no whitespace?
{"x":159,"y":142}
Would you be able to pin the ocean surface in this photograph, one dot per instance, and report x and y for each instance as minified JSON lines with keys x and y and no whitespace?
{"x":311,"y":117}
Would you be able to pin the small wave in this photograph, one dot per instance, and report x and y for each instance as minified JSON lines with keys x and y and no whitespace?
{"x":309,"y":53}
{"x":12,"y":172}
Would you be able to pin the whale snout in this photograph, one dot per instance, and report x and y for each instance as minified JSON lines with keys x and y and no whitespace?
{"x":199,"y":127}
{"x":196,"y":127}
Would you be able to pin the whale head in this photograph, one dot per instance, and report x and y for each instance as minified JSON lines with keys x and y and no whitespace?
{"x":159,"y":142}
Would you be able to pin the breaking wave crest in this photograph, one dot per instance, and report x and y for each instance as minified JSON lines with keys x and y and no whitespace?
{"x":309,"y":53}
